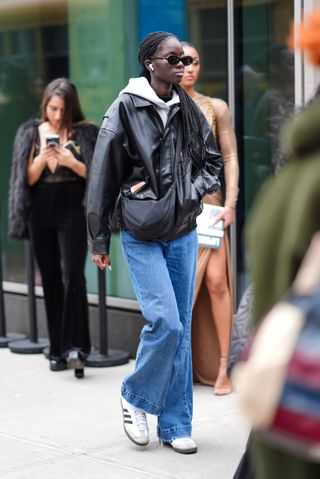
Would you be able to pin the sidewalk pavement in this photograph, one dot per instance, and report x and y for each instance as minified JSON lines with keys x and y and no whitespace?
{"x":54,"y":426}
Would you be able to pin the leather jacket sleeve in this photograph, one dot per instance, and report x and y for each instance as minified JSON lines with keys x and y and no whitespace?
{"x":106,"y":175}
{"x":207,"y":180}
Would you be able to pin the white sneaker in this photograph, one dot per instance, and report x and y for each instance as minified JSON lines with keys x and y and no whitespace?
{"x":135,"y":423}
{"x":184,"y":445}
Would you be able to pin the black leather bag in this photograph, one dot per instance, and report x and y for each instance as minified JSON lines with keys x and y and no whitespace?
{"x":150,"y":219}
{"x":153,"y":219}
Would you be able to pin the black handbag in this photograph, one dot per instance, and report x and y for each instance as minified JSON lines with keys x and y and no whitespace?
{"x":152,"y":219}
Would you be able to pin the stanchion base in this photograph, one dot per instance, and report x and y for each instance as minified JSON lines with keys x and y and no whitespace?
{"x":5,"y":340}
{"x":26,"y":346}
{"x":115,"y":357}
{"x":46,"y":352}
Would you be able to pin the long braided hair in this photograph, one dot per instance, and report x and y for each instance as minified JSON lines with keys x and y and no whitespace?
{"x":193,"y":141}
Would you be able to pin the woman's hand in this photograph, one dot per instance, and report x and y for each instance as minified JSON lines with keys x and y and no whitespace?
{"x":66,"y":158}
{"x":46,"y":157}
{"x":227,"y":215}
{"x":102,"y":260}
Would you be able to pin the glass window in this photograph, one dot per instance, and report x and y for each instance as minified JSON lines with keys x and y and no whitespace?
{"x":208,"y":32}
{"x":95,"y":44}
{"x":40,"y":41}
{"x":264,"y":98}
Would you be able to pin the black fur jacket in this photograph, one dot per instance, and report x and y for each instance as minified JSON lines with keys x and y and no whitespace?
{"x":85,"y":135}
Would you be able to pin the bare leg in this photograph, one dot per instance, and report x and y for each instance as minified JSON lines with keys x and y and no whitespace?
{"x":220,"y":299}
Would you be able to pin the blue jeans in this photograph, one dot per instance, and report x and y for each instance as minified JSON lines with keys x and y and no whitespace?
{"x":163,"y":276}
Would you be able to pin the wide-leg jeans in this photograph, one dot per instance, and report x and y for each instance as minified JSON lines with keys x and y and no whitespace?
{"x":163,"y":276}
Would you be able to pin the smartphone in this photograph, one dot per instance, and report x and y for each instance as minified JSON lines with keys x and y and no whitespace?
{"x":137,"y":187}
{"x":52,"y":140}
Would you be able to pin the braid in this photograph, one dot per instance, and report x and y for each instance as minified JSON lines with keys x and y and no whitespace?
{"x":193,"y":140}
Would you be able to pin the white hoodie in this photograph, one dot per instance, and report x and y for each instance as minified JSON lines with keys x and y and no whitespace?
{"x":141,"y":87}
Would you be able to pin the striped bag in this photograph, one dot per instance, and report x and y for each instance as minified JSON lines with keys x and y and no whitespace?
{"x":278,"y":377}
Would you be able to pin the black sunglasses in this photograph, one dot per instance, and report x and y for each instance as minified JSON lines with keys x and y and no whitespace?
{"x":174,"y":59}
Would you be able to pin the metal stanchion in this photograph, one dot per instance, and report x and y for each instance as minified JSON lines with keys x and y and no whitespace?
{"x":4,"y":337}
{"x":105,"y":356}
{"x":33,"y":345}
{"x":46,"y":352}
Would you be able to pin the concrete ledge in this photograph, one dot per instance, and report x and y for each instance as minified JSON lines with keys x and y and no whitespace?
{"x":123,"y":326}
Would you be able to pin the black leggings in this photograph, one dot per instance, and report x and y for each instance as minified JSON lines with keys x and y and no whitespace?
{"x":59,"y":239}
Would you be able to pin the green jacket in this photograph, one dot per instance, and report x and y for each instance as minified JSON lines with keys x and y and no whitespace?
{"x":285,"y":217}
{"x":286,"y":214}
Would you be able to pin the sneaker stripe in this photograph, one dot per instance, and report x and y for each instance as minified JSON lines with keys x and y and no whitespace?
{"x":135,"y":424}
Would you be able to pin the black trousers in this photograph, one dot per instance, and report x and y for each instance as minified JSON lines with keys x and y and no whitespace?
{"x":58,"y":235}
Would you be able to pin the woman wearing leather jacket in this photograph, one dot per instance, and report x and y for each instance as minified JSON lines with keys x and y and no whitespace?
{"x":46,"y":203}
{"x":157,"y":150}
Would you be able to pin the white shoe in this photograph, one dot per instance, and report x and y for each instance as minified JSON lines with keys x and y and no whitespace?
{"x":184,"y":445}
{"x":135,"y":423}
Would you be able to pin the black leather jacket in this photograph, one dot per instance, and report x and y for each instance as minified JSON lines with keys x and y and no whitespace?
{"x":133,"y":146}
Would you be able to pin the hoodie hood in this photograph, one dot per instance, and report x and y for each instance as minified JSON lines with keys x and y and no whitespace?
{"x":142,"y":88}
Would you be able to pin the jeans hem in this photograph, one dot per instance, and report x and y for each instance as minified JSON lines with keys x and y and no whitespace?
{"x":171,"y":433}
{"x":141,"y":403}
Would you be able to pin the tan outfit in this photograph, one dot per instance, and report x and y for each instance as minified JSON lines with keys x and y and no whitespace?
{"x":205,"y":347}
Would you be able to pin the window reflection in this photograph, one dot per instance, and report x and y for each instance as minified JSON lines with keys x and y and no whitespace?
{"x":88,"y":41}
{"x":208,"y":32}
{"x":41,"y":40}
{"x":264,"y":98}
{"x":34,"y":50}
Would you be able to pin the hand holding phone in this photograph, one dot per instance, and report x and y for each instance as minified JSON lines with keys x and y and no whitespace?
{"x":49,"y":153}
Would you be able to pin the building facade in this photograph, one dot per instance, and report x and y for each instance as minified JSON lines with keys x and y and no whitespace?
{"x":245,"y":61}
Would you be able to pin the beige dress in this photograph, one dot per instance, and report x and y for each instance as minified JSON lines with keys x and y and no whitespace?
{"x":205,"y":348}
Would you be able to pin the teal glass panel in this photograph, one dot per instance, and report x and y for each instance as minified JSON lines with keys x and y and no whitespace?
{"x":169,"y":16}
{"x":98,"y":66}
{"x":39,"y":41}
{"x":97,"y":52}
{"x":33,"y":50}
{"x":264,"y":100}
{"x":208,"y":32}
